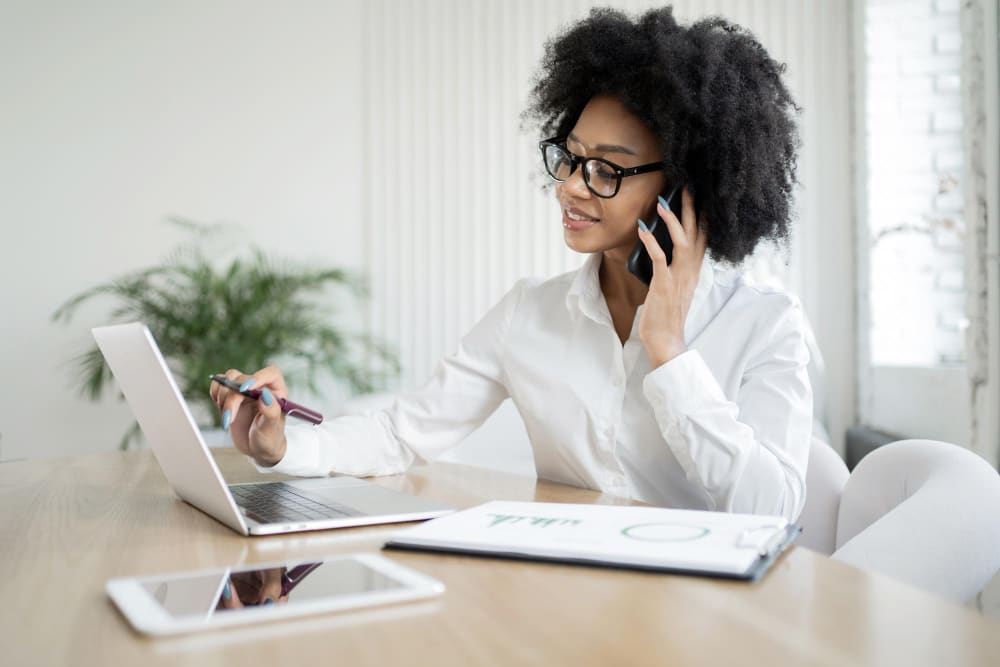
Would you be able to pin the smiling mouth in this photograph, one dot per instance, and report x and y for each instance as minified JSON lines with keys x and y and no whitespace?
{"x":576,"y":221}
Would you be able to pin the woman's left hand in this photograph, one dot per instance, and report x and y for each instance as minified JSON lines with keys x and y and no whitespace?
{"x":661,"y":326}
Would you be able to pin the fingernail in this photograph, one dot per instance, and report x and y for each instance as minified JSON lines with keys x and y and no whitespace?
{"x":226,"y":592}
{"x":663,"y":202}
{"x":267,"y":396}
{"x":226,"y":416}
{"x":246,"y":385}
{"x":268,"y":601}
{"x":642,"y":225}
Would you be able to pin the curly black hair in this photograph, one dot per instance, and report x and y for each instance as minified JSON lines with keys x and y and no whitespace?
{"x":711,"y":94}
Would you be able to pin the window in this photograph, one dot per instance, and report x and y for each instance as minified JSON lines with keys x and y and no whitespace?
{"x":926,"y":113}
{"x":911,"y":237}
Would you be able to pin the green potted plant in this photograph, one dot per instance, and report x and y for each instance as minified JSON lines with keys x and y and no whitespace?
{"x":251,"y":312}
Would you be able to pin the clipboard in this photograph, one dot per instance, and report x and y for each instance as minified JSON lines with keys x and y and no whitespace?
{"x":655,"y":539}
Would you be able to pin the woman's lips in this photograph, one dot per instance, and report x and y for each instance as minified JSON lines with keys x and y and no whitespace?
{"x":578,"y":221}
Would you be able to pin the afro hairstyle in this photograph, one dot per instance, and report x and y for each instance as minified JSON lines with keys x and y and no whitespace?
{"x":709,"y":92}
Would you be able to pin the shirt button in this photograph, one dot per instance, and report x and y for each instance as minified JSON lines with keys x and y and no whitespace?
{"x":618,"y":380}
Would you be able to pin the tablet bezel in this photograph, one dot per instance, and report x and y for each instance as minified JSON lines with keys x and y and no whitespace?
{"x":148,"y":616}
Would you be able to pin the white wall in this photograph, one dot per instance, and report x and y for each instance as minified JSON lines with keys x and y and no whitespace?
{"x":119,"y":113}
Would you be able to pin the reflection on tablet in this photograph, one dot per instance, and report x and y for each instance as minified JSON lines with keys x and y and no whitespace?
{"x":201,"y":595}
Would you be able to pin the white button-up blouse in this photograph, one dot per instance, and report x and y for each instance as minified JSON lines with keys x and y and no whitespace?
{"x":724,"y":426}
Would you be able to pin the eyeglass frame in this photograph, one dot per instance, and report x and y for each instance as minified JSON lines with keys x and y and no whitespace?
{"x":578,"y":160}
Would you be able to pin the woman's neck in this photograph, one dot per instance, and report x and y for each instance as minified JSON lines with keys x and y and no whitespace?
{"x":618,"y":285}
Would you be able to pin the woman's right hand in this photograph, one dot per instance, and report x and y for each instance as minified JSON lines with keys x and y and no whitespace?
{"x":257,"y":428}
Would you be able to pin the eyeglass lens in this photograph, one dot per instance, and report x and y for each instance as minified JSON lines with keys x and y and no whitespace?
{"x":599,"y":177}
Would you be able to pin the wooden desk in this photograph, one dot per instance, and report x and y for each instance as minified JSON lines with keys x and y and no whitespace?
{"x":67,"y":525}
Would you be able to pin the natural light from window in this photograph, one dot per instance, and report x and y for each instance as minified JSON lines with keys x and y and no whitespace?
{"x":913,"y":140}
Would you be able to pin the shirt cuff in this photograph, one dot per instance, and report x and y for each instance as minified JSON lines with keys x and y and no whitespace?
{"x":683,"y":383}
{"x":301,"y":454}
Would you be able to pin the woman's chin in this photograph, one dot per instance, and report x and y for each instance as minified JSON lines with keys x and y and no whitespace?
{"x":583,"y":242}
{"x":590,"y":240}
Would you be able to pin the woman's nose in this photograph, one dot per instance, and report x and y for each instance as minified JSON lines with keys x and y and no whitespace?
{"x":575,"y":185}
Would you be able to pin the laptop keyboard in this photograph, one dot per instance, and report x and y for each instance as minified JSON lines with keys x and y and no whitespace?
{"x":277,"y":502}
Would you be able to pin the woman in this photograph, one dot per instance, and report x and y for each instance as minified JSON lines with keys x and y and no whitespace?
{"x":691,"y":392}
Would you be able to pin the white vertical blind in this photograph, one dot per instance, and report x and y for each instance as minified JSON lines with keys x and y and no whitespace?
{"x":454,"y":208}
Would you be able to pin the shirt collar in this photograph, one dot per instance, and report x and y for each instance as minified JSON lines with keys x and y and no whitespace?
{"x":585,"y":291}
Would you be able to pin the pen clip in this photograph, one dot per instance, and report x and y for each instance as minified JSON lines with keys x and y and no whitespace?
{"x":296,"y":410}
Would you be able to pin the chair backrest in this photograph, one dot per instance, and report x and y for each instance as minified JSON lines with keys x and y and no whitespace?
{"x":826,"y":476}
{"x":923,"y":512}
{"x":826,"y":472}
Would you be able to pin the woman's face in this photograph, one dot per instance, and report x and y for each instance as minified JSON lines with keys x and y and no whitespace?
{"x":606,"y":129}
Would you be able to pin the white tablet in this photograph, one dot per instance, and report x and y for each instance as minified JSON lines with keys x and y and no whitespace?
{"x":207,"y":599}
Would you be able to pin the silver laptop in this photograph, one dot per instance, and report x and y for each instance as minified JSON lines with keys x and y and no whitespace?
{"x":251,"y":509}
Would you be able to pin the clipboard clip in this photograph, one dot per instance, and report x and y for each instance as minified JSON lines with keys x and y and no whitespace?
{"x":770,"y":542}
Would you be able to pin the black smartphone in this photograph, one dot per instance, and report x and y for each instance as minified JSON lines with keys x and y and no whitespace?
{"x":639,"y":264}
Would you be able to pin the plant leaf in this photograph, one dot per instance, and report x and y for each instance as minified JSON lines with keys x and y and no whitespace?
{"x":208,"y":316}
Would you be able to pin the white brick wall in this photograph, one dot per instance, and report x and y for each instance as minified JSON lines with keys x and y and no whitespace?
{"x":914,"y":153}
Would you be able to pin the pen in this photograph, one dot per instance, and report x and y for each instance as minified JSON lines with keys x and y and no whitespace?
{"x":289,"y":408}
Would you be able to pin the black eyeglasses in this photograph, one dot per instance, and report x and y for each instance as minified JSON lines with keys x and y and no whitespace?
{"x":603,"y":178}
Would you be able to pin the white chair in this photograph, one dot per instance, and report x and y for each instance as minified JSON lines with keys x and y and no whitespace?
{"x":825,"y":479}
{"x":920,"y":511}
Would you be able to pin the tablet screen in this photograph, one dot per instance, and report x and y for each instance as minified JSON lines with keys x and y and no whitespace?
{"x":290,"y":583}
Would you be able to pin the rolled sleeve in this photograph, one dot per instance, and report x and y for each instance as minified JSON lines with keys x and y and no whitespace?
{"x":301,"y":454}
{"x":687,"y":372}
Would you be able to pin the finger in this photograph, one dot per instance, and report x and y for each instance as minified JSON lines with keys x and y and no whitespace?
{"x":272,"y":378}
{"x":702,"y":239}
{"x":270,"y":588}
{"x":272,"y":387}
{"x":231,"y":400}
{"x":674,"y":228}
{"x":653,"y":249}
{"x":269,"y":415}
{"x":690,"y":221}
{"x":220,"y":392}
{"x":230,"y":600}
